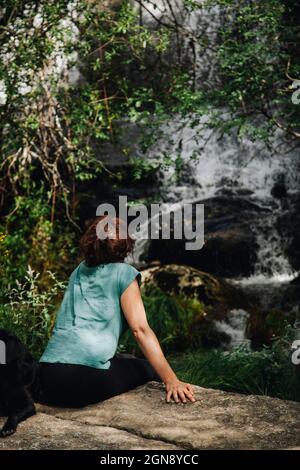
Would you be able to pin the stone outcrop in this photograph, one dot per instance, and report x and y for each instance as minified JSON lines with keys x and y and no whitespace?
{"x":230,"y":247}
{"x":141,"y":419}
{"x":215,"y":293}
{"x":213,"y":301}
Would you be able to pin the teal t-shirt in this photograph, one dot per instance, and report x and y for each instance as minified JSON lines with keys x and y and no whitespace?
{"x":90,"y":320}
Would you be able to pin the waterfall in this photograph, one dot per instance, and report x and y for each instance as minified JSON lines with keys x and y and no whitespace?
{"x":215,"y":165}
{"x":222,"y":165}
{"x":250,"y":172}
{"x":271,"y":260}
{"x":235,"y":328}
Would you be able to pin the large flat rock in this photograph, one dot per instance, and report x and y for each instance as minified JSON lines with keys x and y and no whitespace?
{"x":141,"y":419}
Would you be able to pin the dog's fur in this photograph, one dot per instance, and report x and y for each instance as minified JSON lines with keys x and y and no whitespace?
{"x":18,"y":383}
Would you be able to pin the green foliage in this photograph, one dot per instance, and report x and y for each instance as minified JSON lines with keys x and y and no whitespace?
{"x":256,"y":66}
{"x":30,"y":312}
{"x":55,"y":129}
{"x":171,"y":317}
{"x":266,"y":372}
{"x":53,"y":132}
{"x":30,"y":238}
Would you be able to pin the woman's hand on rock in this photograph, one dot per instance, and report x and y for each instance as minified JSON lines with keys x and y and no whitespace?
{"x":180,"y":392}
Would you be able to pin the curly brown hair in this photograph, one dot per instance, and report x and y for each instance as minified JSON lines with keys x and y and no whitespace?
{"x":112,"y":249}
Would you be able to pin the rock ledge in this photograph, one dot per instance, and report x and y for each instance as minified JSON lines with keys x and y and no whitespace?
{"x":141,"y":419}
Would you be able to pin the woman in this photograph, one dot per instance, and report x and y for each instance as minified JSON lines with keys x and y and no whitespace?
{"x":80,"y":365}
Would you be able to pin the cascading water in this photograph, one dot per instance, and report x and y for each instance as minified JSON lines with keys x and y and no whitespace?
{"x":235,"y":328}
{"x":271,"y":260}
{"x":216,"y":165}
{"x":227,"y":167}
{"x":246,"y":170}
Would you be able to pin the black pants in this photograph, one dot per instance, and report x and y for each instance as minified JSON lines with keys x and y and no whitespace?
{"x":71,"y":385}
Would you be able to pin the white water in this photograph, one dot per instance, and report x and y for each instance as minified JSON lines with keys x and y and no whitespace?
{"x":248,"y":171}
{"x":225,"y":166}
{"x":215,"y":165}
{"x":235,"y":327}
{"x":271,"y":260}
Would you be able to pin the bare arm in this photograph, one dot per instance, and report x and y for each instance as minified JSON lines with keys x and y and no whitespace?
{"x":134,"y":311}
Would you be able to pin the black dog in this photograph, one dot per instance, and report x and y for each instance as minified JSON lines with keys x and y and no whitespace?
{"x":18,"y":383}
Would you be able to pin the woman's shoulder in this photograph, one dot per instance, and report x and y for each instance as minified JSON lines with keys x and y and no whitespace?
{"x":126,"y":274}
{"x":123,"y":267}
{"x":118,"y":269}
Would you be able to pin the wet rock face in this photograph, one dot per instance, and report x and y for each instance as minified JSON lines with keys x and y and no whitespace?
{"x":217,"y":420}
{"x":230,"y":244}
{"x":289,"y":227}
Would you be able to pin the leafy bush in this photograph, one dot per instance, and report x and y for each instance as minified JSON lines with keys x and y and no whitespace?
{"x":29,"y":237}
{"x":171,"y":317}
{"x":55,"y":131}
{"x":30,"y":312}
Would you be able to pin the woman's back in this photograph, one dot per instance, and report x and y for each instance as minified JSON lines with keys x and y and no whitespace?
{"x":90,"y":320}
